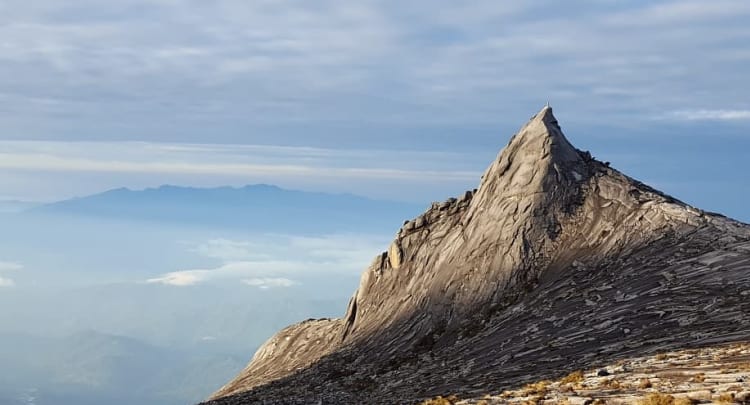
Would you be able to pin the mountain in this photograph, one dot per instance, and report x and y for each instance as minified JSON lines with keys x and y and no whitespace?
{"x":556,"y":263}
{"x":262,"y":208}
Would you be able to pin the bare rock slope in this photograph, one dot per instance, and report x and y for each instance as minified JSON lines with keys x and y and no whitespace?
{"x":556,"y":262}
{"x":716,"y":374}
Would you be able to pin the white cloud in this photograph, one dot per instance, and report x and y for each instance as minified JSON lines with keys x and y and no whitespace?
{"x":235,"y":270}
{"x":178,"y":278}
{"x":259,"y":262}
{"x":266,"y":283}
{"x":10,"y":266}
{"x":711,"y":115}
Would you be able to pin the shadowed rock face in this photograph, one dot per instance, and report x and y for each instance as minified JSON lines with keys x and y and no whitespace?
{"x":555,"y":262}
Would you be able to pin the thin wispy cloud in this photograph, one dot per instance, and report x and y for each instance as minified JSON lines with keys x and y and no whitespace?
{"x":6,"y":282}
{"x":230,"y":250}
{"x":266,"y":283}
{"x":56,"y":163}
{"x":711,"y":115}
{"x":10,"y":266}
{"x":230,"y":164}
{"x":230,"y":271}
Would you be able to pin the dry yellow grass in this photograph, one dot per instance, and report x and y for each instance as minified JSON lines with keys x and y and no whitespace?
{"x":574,"y":377}
{"x":537,"y":388}
{"x":657,"y":399}
{"x":645,"y":383}
{"x":567,"y":388}
{"x":726,"y":398}
{"x":610,"y":384}
{"x":536,"y":400}
{"x":700,"y":377}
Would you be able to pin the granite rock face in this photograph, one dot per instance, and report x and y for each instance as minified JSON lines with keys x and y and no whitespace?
{"x":556,"y":262}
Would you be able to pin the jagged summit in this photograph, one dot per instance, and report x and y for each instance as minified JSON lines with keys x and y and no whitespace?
{"x":537,"y":158}
{"x":556,"y":260}
{"x":542,"y":134}
{"x":539,"y":143}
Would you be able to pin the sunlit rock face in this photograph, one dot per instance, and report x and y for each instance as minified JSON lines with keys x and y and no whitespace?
{"x":555,"y":262}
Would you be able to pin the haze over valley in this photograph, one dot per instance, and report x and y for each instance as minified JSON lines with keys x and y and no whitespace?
{"x":157,"y":296}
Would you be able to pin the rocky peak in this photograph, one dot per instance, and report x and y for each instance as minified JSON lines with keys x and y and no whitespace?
{"x":546,"y":220}
{"x":537,"y":150}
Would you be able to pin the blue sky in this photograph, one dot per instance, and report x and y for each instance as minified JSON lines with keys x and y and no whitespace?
{"x":399,"y":100}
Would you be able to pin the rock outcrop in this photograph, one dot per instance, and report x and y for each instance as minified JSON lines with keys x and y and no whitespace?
{"x":556,"y":262}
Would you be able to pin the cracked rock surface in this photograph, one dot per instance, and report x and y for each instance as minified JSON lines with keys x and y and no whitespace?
{"x":555,"y":262}
{"x":716,"y":374}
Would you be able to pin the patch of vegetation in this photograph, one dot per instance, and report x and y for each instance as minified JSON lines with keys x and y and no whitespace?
{"x":726,"y":398}
{"x":665,"y":399}
{"x":537,"y":388}
{"x":610,"y":384}
{"x":657,"y":399}
{"x":644,"y":383}
{"x":572,"y":378}
{"x":537,"y":400}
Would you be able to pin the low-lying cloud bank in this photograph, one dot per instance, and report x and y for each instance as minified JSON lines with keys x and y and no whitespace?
{"x":256,"y":262}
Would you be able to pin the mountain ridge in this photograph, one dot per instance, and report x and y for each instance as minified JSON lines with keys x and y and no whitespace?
{"x":259,"y":207}
{"x":544,"y":217}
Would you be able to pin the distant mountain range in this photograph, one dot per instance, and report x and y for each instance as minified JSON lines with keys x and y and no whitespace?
{"x":258,"y":207}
